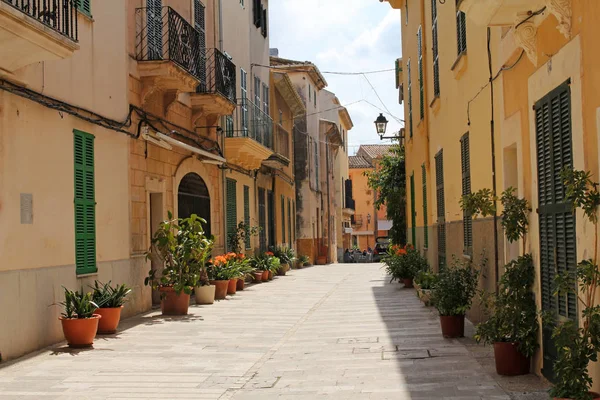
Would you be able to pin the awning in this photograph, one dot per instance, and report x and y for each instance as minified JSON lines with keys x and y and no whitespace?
{"x":216,"y":158}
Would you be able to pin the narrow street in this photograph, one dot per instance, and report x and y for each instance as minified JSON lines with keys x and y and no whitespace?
{"x":337,"y":332}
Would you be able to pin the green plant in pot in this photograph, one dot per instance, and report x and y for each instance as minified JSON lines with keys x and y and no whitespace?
{"x":286,"y":256}
{"x":110,"y":300}
{"x":578,"y":342}
{"x":261,"y":263}
{"x":79,"y":320}
{"x":223,"y":269}
{"x":303,"y":261}
{"x":204,"y":292}
{"x":412,"y":263}
{"x":424,"y":282}
{"x":453,"y":294}
{"x":183,"y":247}
{"x":393,"y":262}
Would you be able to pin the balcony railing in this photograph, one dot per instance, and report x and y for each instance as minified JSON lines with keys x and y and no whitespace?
{"x":282,"y":141}
{"x":251,"y":121}
{"x":163,"y":34}
{"x":217,"y":74}
{"x":60,"y":15}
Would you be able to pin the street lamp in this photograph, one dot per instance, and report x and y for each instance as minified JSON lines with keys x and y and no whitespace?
{"x":381,"y":126}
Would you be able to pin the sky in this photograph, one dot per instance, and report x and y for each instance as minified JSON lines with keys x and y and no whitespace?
{"x":346,"y":36}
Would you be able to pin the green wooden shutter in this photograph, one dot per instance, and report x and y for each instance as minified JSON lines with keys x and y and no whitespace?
{"x":413,"y":211}
{"x":262,"y":223}
{"x":247,"y":213}
{"x":441,"y":209}
{"x":271,"y":211}
{"x":410,"y":124}
{"x":85,"y":7}
{"x":465,"y":156}
{"x":289,"y":223}
{"x":282,"y":219}
{"x":461,"y":31}
{"x":425,"y":222}
{"x":85,"y":203}
{"x":436,"y":58}
{"x":420,"y":68}
{"x":231,"y":188}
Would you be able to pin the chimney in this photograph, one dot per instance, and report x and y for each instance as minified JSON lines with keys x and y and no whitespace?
{"x":274,"y":52}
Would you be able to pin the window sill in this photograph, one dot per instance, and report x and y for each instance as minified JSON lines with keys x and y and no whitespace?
{"x":460,"y":65}
{"x":87,"y":275}
{"x":467,"y":257}
{"x":435,"y":104}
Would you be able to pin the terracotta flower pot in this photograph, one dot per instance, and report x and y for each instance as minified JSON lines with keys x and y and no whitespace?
{"x":220,"y":289}
{"x":270,"y":275}
{"x":80,"y":332}
{"x":595,"y":396}
{"x":453,"y":326}
{"x":258,"y":277}
{"x":408,"y":283}
{"x":172,"y":303}
{"x":281,"y":270}
{"x":205,"y":294}
{"x":241,"y":283}
{"x":232,"y":286}
{"x":509,"y":360}
{"x":109,"y":321}
{"x":265,"y":276}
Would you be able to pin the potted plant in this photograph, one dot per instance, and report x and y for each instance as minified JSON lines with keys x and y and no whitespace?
{"x":204,"y":292}
{"x":424,"y":283}
{"x":393,"y":262}
{"x":303,"y":261}
{"x":577,"y":343}
{"x":183,"y":247}
{"x":411,"y":263}
{"x":220,"y":272}
{"x":286,"y":257}
{"x":244,"y":270}
{"x":79,"y":322}
{"x":110,"y":302}
{"x":452,"y":296}
{"x":275,"y":265}
{"x":261,"y":264}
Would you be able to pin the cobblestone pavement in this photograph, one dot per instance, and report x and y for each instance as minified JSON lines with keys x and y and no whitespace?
{"x":325,"y":332}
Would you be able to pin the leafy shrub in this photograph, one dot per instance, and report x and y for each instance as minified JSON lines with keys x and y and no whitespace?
{"x":404,"y":263}
{"x":78,"y":305}
{"x":426,"y":280}
{"x":454,"y":291}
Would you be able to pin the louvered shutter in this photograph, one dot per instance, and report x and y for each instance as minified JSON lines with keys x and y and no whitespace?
{"x":425,"y":222}
{"x":413,"y":212}
{"x":441,"y":210}
{"x":410,"y":119}
{"x":271,"y":211}
{"x":231,"y":186}
{"x":397,"y":73}
{"x":436,"y":59}
{"x":247,"y":213}
{"x":264,"y":22}
{"x":85,"y":203}
{"x":420,"y":68}
{"x":289,"y":223}
{"x":461,"y":32}
{"x":85,"y":7}
{"x":200,"y":25}
{"x":154,"y":28}
{"x":262,"y":223}
{"x":466,"y":189}
{"x":282,"y":219}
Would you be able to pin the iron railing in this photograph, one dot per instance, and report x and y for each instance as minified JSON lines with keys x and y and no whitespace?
{"x":163,"y":34}
{"x":282,"y":141}
{"x":251,"y":121}
{"x":60,"y":15}
{"x":217,"y":74}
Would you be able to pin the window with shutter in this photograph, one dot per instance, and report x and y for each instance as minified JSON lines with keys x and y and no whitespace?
{"x":436,"y":58}
{"x":244,"y":90}
{"x":155,"y":28}
{"x":557,"y":222}
{"x":425,"y":222}
{"x":271,"y":211}
{"x":465,"y":157}
{"x":85,"y":203}
{"x":262,"y":223}
{"x":289,"y":223}
{"x":85,"y":7}
{"x":441,"y":209}
{"x":200,"y":25}
{"x":231,"y":189}
{"x":247,"y":213}
{"x":283,"y":219}
{"x":461,"y":30}
{"x":413,"y":210}
{"x":420,"y":68}
{"x":317,"y":183}
{"x":410,"y":123}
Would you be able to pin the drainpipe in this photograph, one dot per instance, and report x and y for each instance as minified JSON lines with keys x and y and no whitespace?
{"x":223,"y":194}
{"x":493,"y":143}
{"x":220,"y":26}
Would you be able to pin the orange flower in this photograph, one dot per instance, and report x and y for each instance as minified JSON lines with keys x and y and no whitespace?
{"x":400,"y":252}
{"x":269,"y":253}
{"x":241,"y":256}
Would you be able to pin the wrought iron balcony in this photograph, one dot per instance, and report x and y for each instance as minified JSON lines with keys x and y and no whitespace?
{"x":217,"y":74}
{"x":252,"y":122}
{"x":164,"y":35}
{"x":60,"y":15}
{"x":282,"y":141}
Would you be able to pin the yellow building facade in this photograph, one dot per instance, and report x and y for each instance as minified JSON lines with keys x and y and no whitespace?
{"x":541,"y":109}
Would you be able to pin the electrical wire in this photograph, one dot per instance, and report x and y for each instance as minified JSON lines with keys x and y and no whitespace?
{"x":381,"y":101}
{"x":324,"y":72}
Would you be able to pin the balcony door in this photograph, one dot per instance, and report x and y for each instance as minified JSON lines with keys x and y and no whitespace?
{"x":155,"y":29}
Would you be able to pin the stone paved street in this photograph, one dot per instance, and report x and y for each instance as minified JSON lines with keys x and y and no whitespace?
{"x":336,"y":332}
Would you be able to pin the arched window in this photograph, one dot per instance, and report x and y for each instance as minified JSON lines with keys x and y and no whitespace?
{"x":193,"y":198}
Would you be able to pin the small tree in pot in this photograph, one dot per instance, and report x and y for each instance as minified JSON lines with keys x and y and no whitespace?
{"x":452,"y":296}
{"x":578,"y":344}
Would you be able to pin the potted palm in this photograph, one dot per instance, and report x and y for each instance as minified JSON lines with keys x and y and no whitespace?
{"x":110,"y":302}
{"x":286,"y":256}
{"x":183,"y":247}
{"x":452,"y":296}
{"x":261,"y":265}
{"x":79,"y":320}
{"x":577,"y":343}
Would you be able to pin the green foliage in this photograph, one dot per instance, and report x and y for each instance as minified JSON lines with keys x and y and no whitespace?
{"x":482,"y":202}
{"x":237,"y":238}
{"x":426,"y":279}
{"x":454,"y":291}
{"x":78,"y":305}
{"x":286,"y":255}
{"x":184,"y":248}
{"x":514,"y":215}
{"x":389,"y":181}
{"x":404,"y":263}
{"x":578,"y":345}
{"x":303,"y":259}
{"x":514,"y":316}
{"x":265,"y":262}
{"x":106,"y":296}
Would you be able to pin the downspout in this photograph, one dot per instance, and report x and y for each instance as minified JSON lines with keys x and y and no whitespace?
{"x":223,"y":198}
{"x":493,"y":143}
